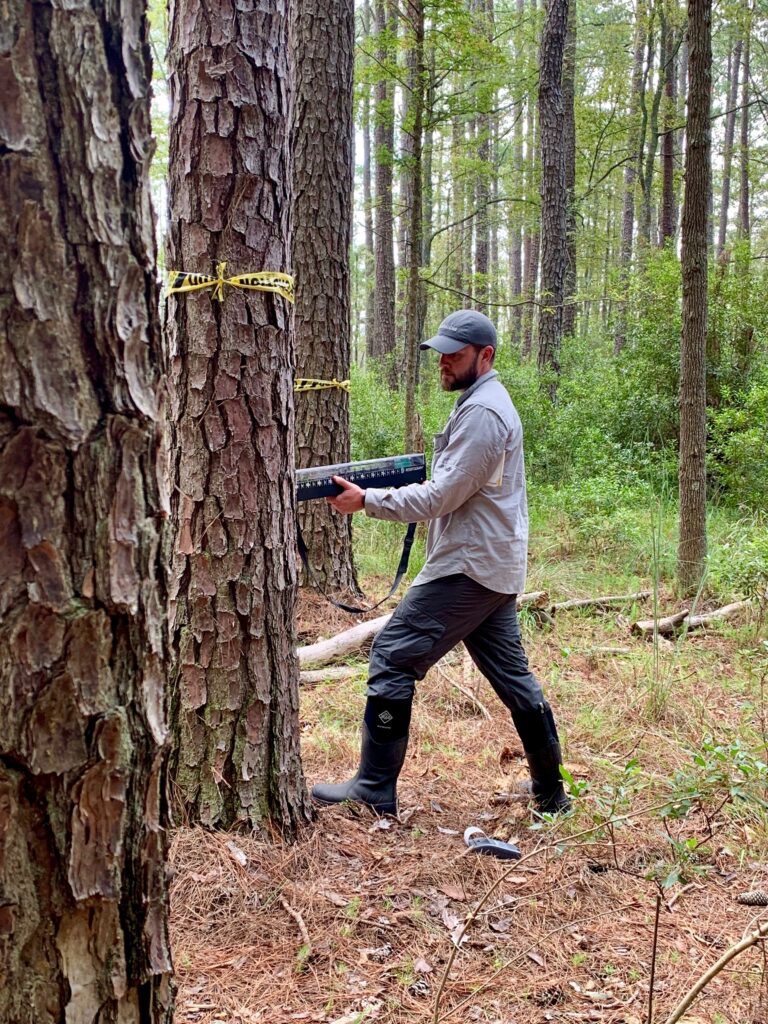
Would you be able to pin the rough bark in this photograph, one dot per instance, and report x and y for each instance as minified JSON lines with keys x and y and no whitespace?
{"x":734,"y":64}
{"x":531,"y":231}
{"x":83,"y":732}
{"x":514,"y":224}
{"x":323,"y":43}
{"x":383,"y":338}
{"x":692,"y":548}
{"x":553,"y":192}
{"x":233,"y":585}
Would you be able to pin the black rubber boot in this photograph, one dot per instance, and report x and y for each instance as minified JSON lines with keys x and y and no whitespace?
{"x":382,"y":753}
{"x":542,"y":751}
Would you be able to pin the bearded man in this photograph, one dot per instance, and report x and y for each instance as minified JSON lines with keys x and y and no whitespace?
{"x":477,"y":548}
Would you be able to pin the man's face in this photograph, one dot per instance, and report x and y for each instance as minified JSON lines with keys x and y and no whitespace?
{"x":460,"y":370}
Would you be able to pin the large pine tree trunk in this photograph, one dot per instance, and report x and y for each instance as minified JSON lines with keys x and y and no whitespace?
{"x":692,"y":549}
{"x":553,"y":192}
{"x":83,"y":733}
{"x":233,"y":585}
{"x":323,"y":44}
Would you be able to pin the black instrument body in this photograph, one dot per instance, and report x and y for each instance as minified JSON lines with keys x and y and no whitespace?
{"x":394,"y":471}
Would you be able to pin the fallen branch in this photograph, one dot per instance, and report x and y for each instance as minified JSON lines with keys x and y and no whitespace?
{"x":669,"y":625}
{"x":353,"y":639}
{"x":319,"y":675}
{"x":600,"y":602}
{"x":750,"y":940}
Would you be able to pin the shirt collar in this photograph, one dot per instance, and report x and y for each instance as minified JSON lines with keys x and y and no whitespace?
{"x":480,"y":380}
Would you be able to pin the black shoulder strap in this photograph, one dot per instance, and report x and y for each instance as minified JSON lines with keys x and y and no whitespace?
{"x":410,"y":533}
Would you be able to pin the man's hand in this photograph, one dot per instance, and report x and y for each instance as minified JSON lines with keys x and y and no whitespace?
{"x":351,"y":499}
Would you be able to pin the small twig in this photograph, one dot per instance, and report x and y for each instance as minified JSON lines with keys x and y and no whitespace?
{"x":750,"y":940}
{"x":465,"y":692}
{"x":653,"y":957}
{"x":299,"y":921}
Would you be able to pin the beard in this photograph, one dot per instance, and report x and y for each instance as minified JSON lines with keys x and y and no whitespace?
{"x":460,"y":382}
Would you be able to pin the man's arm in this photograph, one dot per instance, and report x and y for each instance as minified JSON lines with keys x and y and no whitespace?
{"x":468,"y":462}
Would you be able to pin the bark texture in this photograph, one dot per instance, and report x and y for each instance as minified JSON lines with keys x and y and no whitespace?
{"x":83,"y":908}
{"x":323,"y":44}
{"x":734,"y":64}
{"x":553,"y":190}
{"x":692,"y":549}
{"x":233,"y":581}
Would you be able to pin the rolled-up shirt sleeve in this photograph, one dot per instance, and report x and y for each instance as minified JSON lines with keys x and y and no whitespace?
{"x":467,"y":463}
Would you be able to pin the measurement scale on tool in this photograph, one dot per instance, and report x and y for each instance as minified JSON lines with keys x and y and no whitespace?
{"x":395,"y":471}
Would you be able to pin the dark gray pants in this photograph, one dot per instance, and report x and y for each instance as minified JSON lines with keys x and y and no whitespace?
{"x":431,"y":619}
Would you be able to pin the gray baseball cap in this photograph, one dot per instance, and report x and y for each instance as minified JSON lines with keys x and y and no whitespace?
{"x":465,"y":327}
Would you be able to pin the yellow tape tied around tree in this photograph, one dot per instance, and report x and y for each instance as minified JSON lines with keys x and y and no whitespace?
{"x":310,"y":384}
{"x":261,"y":281}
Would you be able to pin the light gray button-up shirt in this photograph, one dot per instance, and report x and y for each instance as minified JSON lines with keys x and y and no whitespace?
{"x":476,"y":500}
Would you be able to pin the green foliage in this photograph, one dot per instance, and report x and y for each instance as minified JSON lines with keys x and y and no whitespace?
{"x":738,"y":446}
{"x":739,"y":565}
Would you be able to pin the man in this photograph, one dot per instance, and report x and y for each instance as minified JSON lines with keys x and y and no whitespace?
{"x":477,"y":545}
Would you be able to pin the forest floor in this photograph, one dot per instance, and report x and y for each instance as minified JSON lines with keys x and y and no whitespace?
{"x":396,"y":921}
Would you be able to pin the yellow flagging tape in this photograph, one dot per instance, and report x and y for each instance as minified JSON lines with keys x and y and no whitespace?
{"x":261,"y":281}
{"x":310,"y":384}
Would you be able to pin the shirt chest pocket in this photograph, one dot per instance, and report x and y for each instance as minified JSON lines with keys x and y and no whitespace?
{"x":440,"y":443}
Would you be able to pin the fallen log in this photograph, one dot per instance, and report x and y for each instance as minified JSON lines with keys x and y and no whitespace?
{"x":670,"y":624}
{"x":600,"y":602}
{"x":353,"y":639}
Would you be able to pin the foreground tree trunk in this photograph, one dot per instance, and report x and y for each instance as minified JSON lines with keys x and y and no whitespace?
{"x":692,"y":549}
{"x":233,"y":580}
{"x":554,"y":243}
{"x":323,"y":46}
{"x":83,"y":905}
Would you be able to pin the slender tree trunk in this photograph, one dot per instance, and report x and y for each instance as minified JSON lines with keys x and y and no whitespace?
{"x":553,"y":192}
{"x":383,"y":140}
{"x":569,"y":148}
{"x":651,"y":136}
{"x":630,"y":177}
{"x":667,"y":218}
{"x":532,"y":233}
{"x":233,"y":585}
{"x":692,"y":549}
{"x":459,"y":205}
{"x":514,"y":216}
{"x":83,"y":655}
{"x":370,"y":293}
{"x":744,"y":225}
{"x":323,"y":47}
{"x":734,"y":64}
{"x":413,"y":434}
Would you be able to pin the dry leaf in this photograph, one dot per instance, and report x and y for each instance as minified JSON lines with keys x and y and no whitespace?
{"x":380,"y":823}
{"x":454,"y":892}
{"x":336,"y":899}
{"x":421,"y":966}
{"x":537,"y":958}
{"x":237,"y":854}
